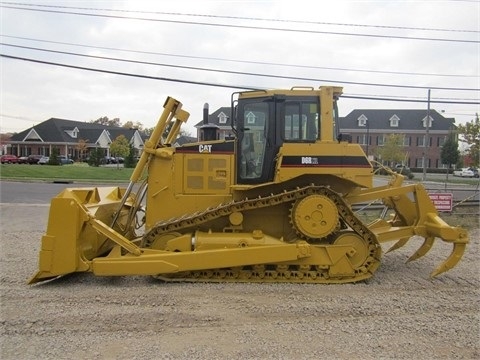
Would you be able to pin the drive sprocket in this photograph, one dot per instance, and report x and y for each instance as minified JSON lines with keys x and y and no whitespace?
{"x":314,"y":217}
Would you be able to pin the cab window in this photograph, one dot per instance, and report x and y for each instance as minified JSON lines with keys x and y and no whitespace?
{"x":301,"y":122}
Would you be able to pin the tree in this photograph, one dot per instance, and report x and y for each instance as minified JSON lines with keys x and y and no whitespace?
{"x":450,"y":153}
{"x":120,"y":147}
{"x":53,"y":158}
{"x":82,"y":147}
{"x":470,"y":134}
{"x":129,"y":159}
{"x":106,"y":121}
{"x":95,"y":157}
{"x":131,"y":125}
{"x":393,"y":150}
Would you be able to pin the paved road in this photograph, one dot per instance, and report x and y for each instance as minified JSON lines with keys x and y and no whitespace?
{"x":42,"y":192}
{"x":36,"y":192}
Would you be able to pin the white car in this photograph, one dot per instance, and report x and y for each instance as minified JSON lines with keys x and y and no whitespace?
{"x":43,"y":160}
{"x":465,"y":172}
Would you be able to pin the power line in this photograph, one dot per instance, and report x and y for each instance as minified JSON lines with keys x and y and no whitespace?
{"x":216,"y":84}
{"x":230,"y":17}
{"x":240,"y":72}
{"x":238,"y":61}
{"x":244,"y":26}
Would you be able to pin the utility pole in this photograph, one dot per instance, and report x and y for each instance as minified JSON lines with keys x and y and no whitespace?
{"x":426,"y":143}
{"x":368,"y":136}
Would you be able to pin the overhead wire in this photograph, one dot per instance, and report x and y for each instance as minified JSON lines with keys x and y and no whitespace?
{"x":249,"y":18}
{"x":235,"y":60}
{"x":241,"y":72}
{"x":251,"y":27}
{"x":217,"y":84}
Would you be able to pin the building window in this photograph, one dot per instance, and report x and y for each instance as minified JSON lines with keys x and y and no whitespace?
{"x":380,"y":140}
{"x":424,"y":121}
{"x":394,"y":121}
{"x":441,"y":141}
{"x":419,"y":162}
{"x":362,"y":120}
{"x":421,"y":141}
{"x":222,"y":118}
{"x":406,"y":141}
{"x":362,"y":139}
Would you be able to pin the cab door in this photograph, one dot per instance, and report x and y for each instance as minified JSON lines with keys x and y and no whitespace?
{"x":255,"y":140}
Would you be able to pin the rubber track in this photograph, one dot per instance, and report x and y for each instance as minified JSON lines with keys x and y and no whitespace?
{"x":271,"y":272}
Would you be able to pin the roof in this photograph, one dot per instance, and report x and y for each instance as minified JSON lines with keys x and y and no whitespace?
{"x":216,"y":117}
{"x":181,"y":140}
{"x":408,"y":119}
{"x":56,"y":130}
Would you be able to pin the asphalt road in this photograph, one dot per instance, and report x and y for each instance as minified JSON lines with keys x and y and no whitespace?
{"x":42,"y":192}
{"x":36,"y":192}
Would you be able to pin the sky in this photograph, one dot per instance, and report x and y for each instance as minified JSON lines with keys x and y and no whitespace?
{"x":202,"y":51}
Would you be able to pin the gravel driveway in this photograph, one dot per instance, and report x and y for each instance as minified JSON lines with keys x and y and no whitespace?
{"x":400,"y":313}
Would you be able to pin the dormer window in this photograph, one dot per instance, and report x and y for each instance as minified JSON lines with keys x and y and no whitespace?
{"x":424,"y":121}
{"x":362,"y":120}
{"x":222,"y":118}
{"x":394,"y":121}
{"x":73,"y":133}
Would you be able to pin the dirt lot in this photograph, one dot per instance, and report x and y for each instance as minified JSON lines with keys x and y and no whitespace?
{"x":400,"y":313}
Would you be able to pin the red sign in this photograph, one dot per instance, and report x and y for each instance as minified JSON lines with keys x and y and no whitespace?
{"x":442,"y":201}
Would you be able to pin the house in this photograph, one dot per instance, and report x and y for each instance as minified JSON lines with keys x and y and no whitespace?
{"x":222,"y":119}
{"x":72,"y":138}
{"x":370,"y":128}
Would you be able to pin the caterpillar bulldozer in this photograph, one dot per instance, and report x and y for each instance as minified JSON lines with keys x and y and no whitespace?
{"x":272,"y":202}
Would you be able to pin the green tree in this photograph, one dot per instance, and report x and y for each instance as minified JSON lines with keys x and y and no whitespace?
{"x":470,"y":134}
{"x":53,"y":158}
{"x":95,"y":157}
{"x":120,"y":147}
{"x":130,"y":159}
{"x":450,"y":153}
{"x":392,"y":150}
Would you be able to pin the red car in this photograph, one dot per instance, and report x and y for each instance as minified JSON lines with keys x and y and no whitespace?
{"x":8,"y":159}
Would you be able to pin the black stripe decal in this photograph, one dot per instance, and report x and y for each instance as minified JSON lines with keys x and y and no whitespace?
{"x":325,"y":161}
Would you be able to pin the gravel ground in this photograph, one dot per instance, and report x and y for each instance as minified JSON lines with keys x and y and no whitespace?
{"x":400,"y":313}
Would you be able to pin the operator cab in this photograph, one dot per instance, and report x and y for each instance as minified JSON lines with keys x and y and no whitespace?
{"x":264,"y":121}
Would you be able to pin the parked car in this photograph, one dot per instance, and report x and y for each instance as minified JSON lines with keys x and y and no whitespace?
{"x":475,"y":171}
{"x":464,"y":172}
{"x":23,"y":160}
{"x":404,"y":170}
{"x":33,"y":159}
{"x":64,"y":160}
{"x":43,"y":160}
{"x":108,"y":160}
{"x":8,"y":159}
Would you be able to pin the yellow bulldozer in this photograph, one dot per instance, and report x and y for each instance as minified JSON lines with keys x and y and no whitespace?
{"x":272,"y":202}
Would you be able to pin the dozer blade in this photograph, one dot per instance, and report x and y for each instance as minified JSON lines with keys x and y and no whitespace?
{"x":75,"y":234}
{"x":452,"y":260}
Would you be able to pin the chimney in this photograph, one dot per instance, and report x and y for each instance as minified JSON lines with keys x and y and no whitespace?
{"x":205,"y":114}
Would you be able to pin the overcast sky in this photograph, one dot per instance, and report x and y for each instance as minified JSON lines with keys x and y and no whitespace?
{"x":410,"y":46}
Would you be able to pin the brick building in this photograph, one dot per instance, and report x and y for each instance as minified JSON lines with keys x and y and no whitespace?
{"x":370,"y":128}
{"x":69,"y":137}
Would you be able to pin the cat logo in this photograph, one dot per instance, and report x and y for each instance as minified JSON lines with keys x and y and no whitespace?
{"x":205,"y":148}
